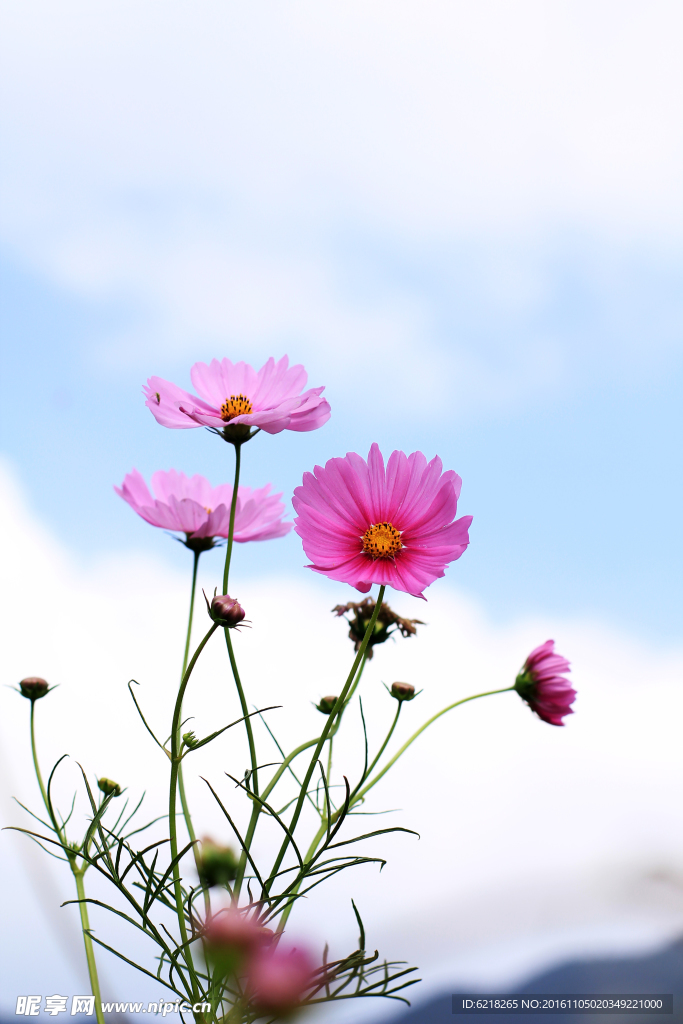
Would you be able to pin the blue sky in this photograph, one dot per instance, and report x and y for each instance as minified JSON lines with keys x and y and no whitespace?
{"x":477,"y":249}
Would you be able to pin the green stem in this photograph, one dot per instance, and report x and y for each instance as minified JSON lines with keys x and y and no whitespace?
{"x":338,"y":708}
{"x":181,"y":781}
{"x":245,"y":711}
{"x":38,"y":772}
{"x":233,"y":507}
{"x":89,"y":950}
{"x":256,"y":810}
{"x":172,"y":824}
{"x":78,"y":874}
{"x":394,"y":759}
{"x":356,"y":797}
{"x":186,"y":655}
{"x":381,"y":750}
{"x":309,"y":854}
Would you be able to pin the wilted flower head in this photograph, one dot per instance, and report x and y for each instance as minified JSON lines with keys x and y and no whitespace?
{"x":362,"y":523}
{"x":402,"y":691}
{"x":193,"y":507}
{"x":543,"y":686}
{"x":234,"y":398}
{"x":233,"y":936}
{"x":225,"y":610}
{"x":217,"y":864}
{"x":109,"y":787}
{"x":277,"y":978}
{"x":388,"y":622}
{"x":326,"y":705}
{"x":33,"y":687}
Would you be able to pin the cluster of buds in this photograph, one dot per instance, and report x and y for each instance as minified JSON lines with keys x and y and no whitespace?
{"x":225,"y":610}
{"x":274,"y":977}
{"x":388,"y":623}
{"x":217,"y":865}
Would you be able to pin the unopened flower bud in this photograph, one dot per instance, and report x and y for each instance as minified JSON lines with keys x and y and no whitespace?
{"x":402,"y":691}
{"x":326,"y":705}
{"x":33,"y":687}
{"x":226,"y":611}
{"x":217,"y":864}
{"x":109,"y":787}
{"x":190,"y":740}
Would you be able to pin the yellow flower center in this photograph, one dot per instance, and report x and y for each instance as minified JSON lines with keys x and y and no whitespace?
{"x":236,"y":405}
{"x":382,"y":541}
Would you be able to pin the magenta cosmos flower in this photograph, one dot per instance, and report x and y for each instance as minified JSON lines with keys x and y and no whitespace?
{"x":202,"y":512}
{"x":234,"y":397}
{"x":278,"y":977}
{"x":362,"y":524}
{"x":543,"y":686}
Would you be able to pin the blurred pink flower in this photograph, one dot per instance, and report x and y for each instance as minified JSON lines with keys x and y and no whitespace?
{"x":193,"y":506}
{"x":543,"y":686}
{"x":277,"y":978}
{"x":362,"y":524}
{"x":235,"y":395}
{"x":235,"y":929}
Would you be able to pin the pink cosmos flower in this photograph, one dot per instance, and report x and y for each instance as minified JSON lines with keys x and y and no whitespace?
{"x":202,"y":512}
{"x":277,"y":978}
{"x":543,"y":686}
{"x":362,"y":524}
{"x":235,"y":929}
{"x":234,"y":397}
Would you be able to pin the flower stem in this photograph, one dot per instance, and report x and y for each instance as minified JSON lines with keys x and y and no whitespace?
{"x":89,"y":951}
{"x":336,"y":711}
{"x":181,"y":782}
{"x":78,"y":874}
{"x":394,"y":759}
{"x":172,"y":824}
{"x":228,"y":640}
{"x":186,"y":655}
{"x":368,"y":771}
{"x":245,"y":711}
{"x":233,"y":508}
{"x":36,"y":766}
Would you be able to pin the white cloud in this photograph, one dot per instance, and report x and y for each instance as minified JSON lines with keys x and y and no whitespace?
{"x":228,"y":169}
{"x":535,"y":842}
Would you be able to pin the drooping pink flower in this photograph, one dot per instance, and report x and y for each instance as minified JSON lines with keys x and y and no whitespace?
{"x":234,"y":397}
{"x":362,"y":524}
{"x":543,"y":686}
{"x":277,"y":978}
{"x":192,"y":506}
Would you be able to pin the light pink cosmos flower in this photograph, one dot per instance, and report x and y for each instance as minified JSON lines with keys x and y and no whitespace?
{"x":278,"y":977}
{"x":193,"y":506}
{"x":362,"y":524}
{"x":234,"y":397}
{"x":543,"y":686}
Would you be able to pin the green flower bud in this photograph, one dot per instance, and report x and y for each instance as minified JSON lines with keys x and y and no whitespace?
{"x":190,"y":740}
{"x":326,"y":705}
{"x":108,"y":787}
{"x":217,"y":864}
